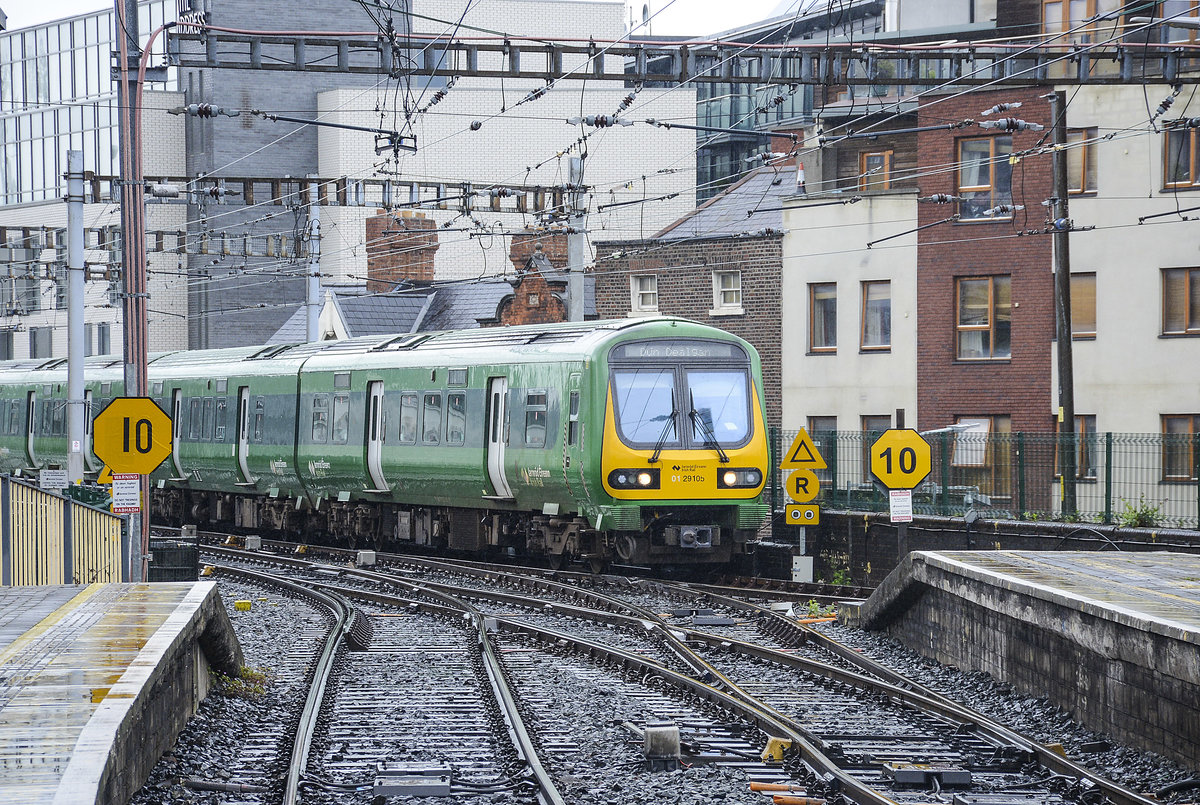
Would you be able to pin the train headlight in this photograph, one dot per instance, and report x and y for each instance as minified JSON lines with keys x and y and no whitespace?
{"x":634,"y":479}
{"x":740,"y":478}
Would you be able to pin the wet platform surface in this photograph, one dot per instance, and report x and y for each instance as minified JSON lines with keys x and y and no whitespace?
{"x":71,"y":660}
{"x":1157,"y":592}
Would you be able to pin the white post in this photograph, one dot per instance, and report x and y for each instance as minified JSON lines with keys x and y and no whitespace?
{"x":313,"y":293}
{"x":75,"y":398}
{"x":576,"y":242}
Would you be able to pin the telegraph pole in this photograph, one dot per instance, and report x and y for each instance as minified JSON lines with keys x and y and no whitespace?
{"x":313,"y":293}
{"x":133,"y":244}
{"x":576,"y":241}
{"x":75,"y":284}
{"x":1061,"y":225}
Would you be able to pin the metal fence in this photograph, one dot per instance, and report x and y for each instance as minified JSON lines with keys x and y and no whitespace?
{"x":49,"y":539}
{"x":1131,"y":479}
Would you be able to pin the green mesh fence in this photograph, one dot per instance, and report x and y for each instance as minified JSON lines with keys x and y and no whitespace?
{"x":1131,"y":479}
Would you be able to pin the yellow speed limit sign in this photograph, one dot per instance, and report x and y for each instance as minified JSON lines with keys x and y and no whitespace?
{"x":132,"y":435}
{"x":900,"y":458}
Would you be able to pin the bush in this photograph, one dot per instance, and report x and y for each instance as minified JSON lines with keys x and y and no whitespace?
{"x":1143,"y":515}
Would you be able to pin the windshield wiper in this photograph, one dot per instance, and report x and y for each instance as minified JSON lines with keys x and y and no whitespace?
{"x":710,"y":436}
{"x":662,"y":437}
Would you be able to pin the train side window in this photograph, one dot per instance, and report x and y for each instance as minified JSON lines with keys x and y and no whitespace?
{"x":194,"y":418}
{"x":432,"y":419}
{"x":408,"y":418}
{"x":18,"y":425}
{"x":535,"y":419}
{"x":207,"y":428}
{"x":456,"y":418}
{"x":320,"y":418}
{"x":573,"y":420}
{"x":341,"y":418}
{"x":60,"y":418}
{"x":222,"y":416}
{"x":47,"y":421}
{"x":260,"y":414}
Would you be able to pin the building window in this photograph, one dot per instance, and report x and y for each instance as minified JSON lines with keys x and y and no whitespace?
{"x":984,"y":176}
{"x":727,"y":292}
{"x":6,"y":345}
{"x":1085,"y":447}
{"x":1178,"y":10}
{"x":823,"y":431}
{"x":1083,"y":305}
{"x":1063,"y":16}
{"x":822,"y":317}
{"x":983,"y":453}
{"x":873,"y":425}
{"x":644,"y":293}
{"x":1081,"y":161}
{"x":984,"y":318}
{"x":1179,"y":446}
{"x":41,"y":341}
{"x":874,"y":170}
{"x":1181,"y":301}
{"x":877,"y":315}
{"x":1181,"y":157}
{"x":104,"y":338}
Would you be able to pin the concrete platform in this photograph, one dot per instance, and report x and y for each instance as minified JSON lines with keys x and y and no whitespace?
{"x":96,"y":682}
{"x":1113,"y":638}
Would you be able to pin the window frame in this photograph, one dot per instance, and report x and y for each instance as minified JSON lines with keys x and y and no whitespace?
{"x":992,"y":163}
{"x":1192,"y":157}
{"x":1083,"y":35}
{"x":822,"y":348}
{"x":886,"y":344}
{"x":431,"y":401}
{"x":720,"y":306}
{"x":409,"y":401}
{"x":1086,"y":149}
{"x":1076,"y":333}
{"x":990,"y":328}
{"x":1191,"y":285}
{"x":320,"y":420}
{"x":866,"y":182}
{"x":1193,"y":425}
{"x":636,"y":292}
{"x":537,"y":415}
{"x":460,"y":436}
{"x":1086,"y":448}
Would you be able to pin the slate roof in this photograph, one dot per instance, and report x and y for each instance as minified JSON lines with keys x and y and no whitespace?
{"x":749,"y":205}
{"x":381,"y":314}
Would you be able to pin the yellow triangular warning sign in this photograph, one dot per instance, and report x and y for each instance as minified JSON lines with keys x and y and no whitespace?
{"x":105,"y":476}
{"x":802,"y":454}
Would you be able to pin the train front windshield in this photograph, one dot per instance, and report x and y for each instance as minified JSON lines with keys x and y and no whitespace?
{"x":660,"y":406}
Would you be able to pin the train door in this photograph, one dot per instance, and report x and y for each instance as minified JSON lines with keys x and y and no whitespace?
{"x":497,"y":395}
{"x":89,"y":459}
{"x":243,"y":435}
{"x":176,"y":430}
{"x":374,"y":434}
{"x":31,"y":427}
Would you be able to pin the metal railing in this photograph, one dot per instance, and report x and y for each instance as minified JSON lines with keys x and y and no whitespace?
{"x":1131,"y":479}
{"x":49,"y":539}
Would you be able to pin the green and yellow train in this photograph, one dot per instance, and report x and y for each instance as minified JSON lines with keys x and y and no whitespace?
{"x":637,"y":441}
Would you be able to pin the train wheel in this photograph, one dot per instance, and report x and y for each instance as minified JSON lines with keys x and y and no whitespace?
{"x":625,"y":546}
{"x":597,"y":565}
{"x":557,"y":561}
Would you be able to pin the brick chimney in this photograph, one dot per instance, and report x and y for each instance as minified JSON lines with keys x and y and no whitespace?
{"x":400,"y":248}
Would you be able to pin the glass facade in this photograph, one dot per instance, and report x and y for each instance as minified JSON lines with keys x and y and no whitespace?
{"x":56,"y":95}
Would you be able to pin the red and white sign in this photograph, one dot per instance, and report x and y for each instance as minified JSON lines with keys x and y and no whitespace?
{"x":900,"y":505}
{"x":126,"y":493}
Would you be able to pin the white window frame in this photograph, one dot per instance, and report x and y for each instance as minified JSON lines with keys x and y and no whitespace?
{"x":721,"y":307}
{"x":637,"y":305}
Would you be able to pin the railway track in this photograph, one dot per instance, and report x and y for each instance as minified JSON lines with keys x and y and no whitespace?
{"x":845,"y":728}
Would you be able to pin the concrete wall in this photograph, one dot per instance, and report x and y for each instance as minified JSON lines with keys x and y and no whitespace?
{"x":1113,"y":672}
{"x":828,"y":244}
